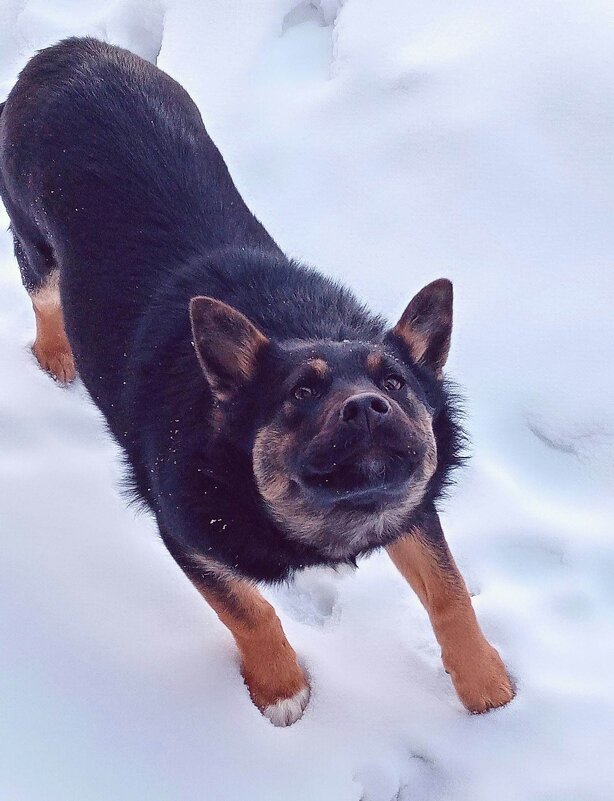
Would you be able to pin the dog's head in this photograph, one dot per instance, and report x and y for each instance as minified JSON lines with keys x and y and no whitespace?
{"x":340,"y":434}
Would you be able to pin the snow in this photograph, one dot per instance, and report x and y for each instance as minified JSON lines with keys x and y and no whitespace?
{"x":389,"y":144}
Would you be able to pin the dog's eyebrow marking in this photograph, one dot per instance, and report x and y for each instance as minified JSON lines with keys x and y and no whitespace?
{"x":319,"y":367}
{"x":374,"y":362}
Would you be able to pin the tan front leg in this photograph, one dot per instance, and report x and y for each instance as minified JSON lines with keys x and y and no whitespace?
{"x":51,"y":346}
{"x":476,"y":669}
{"x":275,"y":680}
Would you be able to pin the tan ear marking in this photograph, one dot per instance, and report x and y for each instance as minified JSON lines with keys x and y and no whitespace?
{"x":425,"y":327}
{"x":227,"y":344}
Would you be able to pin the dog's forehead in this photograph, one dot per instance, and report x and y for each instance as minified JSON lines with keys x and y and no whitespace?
{"x":347,"y":356}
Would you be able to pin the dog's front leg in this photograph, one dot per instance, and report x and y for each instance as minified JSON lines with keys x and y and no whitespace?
{"x":476,"y":669}
{"x":275,"y":680}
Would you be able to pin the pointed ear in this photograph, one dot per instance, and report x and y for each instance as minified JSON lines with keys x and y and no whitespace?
{"x":227,"y":345}
{"x":425,"y":327}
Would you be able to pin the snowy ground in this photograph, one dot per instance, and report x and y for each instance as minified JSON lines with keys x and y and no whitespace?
{"x":388,"y":143}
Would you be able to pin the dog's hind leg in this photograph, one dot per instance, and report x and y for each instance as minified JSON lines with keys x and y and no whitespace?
{"x":476,"y":669}
{"x":41,"y":279}
{"x":274,"y":678}
{"x":51,"y":346}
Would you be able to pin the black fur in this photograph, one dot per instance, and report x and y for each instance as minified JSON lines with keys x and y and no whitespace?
{"x":107,"y":172}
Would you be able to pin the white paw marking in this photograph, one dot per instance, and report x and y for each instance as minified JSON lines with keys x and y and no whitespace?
{"x":288,"y":710}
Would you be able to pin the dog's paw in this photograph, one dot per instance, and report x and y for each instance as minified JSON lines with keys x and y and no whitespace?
{"x":60,"y":364}
{"x":481,"y":681}
{"x":279,"y":689}
{"x":287,"y":711}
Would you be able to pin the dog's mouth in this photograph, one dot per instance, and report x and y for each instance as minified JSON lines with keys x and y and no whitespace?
{"x":361,"y":477}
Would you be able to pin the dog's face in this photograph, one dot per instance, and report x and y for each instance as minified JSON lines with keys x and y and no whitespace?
{"x":340,"y":433}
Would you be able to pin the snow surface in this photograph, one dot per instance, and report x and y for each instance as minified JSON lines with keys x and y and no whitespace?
{"x":388,"y":143}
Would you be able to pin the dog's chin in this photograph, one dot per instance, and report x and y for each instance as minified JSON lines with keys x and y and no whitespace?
{"x":367,"y":482}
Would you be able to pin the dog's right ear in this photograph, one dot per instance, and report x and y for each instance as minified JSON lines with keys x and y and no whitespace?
{"x":227,"y":345}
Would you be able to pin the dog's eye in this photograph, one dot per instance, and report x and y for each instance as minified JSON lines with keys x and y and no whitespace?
{"x":393,"y":383}
{"x":302,"y":392}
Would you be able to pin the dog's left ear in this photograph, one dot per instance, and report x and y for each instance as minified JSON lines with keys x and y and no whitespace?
{"x":425,"y":326}
{"x":227,"y":344}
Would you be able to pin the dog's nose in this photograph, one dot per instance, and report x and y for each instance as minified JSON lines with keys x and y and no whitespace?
{"x":364,"y":408}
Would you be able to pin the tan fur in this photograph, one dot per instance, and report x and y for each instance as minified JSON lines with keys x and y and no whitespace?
{"x":374,"y":363}
{"x":416,"y":342}
{"x":248,"y":353}
{"x":476,"y":669}
{"x":269,"y":455}
{"x":51,"y":346}
{"x":268,"y":661}
{"x":319,"y":367}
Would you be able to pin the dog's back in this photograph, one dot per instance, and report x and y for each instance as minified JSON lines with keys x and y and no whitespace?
{"x":122,"y":178}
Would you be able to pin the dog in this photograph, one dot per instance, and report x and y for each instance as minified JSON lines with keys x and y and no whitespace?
{"x":268,"y":419}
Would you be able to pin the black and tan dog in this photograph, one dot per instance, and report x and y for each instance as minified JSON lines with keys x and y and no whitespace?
{"x":269,"y":420}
